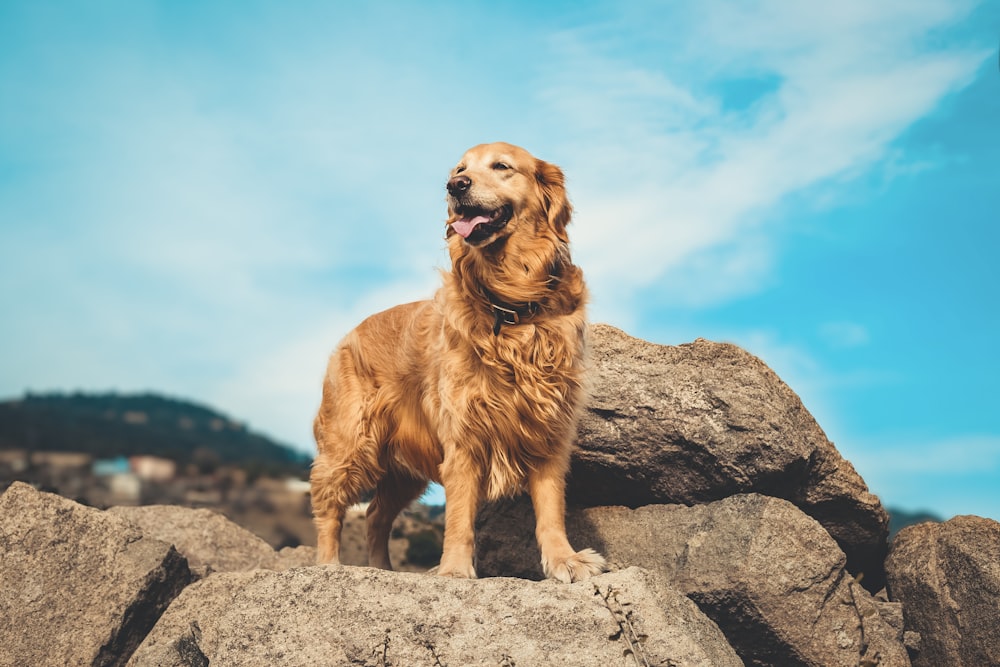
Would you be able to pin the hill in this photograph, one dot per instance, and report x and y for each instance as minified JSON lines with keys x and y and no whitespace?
{"x":111,"y":425}
{"x":900,"y":519}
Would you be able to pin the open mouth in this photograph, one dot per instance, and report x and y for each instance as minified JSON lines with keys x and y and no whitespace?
{"x":476,"y":224}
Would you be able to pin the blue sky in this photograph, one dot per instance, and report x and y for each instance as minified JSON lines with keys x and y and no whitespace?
{"x":201,"y":198}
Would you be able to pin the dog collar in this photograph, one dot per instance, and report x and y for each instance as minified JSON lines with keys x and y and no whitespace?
{"x":508,"y":313}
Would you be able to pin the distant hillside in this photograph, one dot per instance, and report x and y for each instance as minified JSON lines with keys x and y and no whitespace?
{"x":899,"y":519}
{"x":111,"y":425}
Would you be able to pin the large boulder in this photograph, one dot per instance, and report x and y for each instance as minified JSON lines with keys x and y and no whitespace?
{"x":767,"y":574}
{"x":703,"y":421}
{"x":209,"y":541}
{"x":78,"y":586}
{"x":342,"y":615}
{"x":947,"y":575}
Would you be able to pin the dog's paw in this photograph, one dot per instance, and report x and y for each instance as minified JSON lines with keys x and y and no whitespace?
{"x":455,"y":571}
{"x":326,"y":559}
{"x":581,"y":565}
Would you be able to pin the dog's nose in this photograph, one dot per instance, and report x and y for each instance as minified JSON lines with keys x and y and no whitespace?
{"x":459,"y":185}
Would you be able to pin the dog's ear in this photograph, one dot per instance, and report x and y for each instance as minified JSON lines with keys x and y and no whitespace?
{"x":557,"y":207}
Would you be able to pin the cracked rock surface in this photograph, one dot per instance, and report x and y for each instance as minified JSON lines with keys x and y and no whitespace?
{"x":703,"y":421}
{"x":78,"y":586}
{"x":337,"y":615}
{"x":769,"y":575}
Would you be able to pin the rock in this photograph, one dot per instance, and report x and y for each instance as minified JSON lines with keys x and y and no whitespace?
{"x":704,"y":421}
{"x":78,"y":586}
{"x":912,"y":641}
{"x":342,"y":615}
{"x":767,"y":574}
{"x":300,"y":556}
{"x":210,"y":542}
{"x":947,"y":575}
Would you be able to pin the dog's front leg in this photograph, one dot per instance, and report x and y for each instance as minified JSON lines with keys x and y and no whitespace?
{"x":461,"y":478}
{"x":547,"y":486}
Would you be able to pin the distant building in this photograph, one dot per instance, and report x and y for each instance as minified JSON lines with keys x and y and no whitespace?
{"x":125,"y":488}
{"x":297,"y":485}
{"x":153,"y":468}
{"x":14,"y":460}
{"x":109,"y":467}
{"x":61,"y":460}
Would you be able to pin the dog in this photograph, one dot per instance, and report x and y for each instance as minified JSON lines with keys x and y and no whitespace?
{"x":478,"y":389}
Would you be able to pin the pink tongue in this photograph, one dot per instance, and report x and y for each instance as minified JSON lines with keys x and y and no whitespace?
{"x":465,"y":226}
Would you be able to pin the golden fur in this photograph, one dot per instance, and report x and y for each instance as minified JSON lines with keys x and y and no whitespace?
{"x":438,"y":390}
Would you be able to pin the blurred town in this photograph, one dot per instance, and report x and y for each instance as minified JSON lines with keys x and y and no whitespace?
{"x":107,"y":450}
{"x":277,"y":509}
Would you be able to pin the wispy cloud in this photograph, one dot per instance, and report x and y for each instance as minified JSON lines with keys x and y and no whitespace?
{"x":683,"y":181}
{"x":952,"y":476}
{"x":844,"y":334}
{"x":970,"y":454}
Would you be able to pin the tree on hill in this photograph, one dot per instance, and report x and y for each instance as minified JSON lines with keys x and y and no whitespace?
{"x":111,"y":425}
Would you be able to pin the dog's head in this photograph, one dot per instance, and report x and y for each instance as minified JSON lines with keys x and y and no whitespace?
{"x":497,"y":189}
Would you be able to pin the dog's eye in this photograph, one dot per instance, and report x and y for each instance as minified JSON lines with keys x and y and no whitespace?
{"x":501,"y":166}
{"x":459,"y":170}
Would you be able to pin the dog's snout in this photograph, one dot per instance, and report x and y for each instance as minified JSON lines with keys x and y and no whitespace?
{"x":459,"y":185}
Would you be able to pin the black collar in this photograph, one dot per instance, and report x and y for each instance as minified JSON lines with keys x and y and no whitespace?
{"x":508,"y":313}
{"x":512,"y":313}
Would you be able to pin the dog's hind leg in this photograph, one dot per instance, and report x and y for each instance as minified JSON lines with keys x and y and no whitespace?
{"x":335,"y":484}
{"x":333,"y":489}
{"x":392,"y":494}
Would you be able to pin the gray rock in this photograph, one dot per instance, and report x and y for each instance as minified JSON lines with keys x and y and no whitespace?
{"x":300,"y":556}
{"x":704,"y":421}
{"x":947,"y":575}
{"x":343,"y":615}
{"x":767,"y":574}
{"x":77,"y":586}
{"x":209,"y":541}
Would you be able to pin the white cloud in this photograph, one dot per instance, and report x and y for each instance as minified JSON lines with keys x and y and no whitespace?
{"x":845,"y":334}
{"x":950,"y":476}
{"x":665,"y":177}
{"x":975,"y":454}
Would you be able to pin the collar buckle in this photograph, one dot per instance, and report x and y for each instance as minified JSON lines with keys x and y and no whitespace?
{"x":503,"y":316}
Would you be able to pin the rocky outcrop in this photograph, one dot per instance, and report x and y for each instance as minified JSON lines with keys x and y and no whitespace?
{"x":210,"y":542}
{"x":947,"y":575}
{"x":85,"y":587}
{"x":703,"y":421}
{"x":77,"y":586}
{"x":358,"y":616}
{"x":755,"y":565}
{"x":769,"y":576}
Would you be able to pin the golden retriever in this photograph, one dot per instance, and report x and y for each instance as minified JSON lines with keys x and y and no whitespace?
{"x":478,"y":389}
